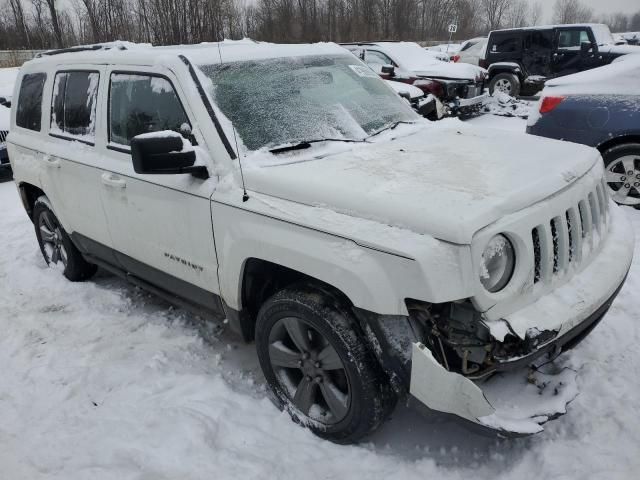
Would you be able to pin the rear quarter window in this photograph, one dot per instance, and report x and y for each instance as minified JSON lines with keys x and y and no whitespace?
{"x":505,"y":44}
{"x":29,"y":109}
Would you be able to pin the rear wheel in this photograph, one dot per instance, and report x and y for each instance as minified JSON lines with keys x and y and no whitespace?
{"x":622,"y":173}
{"x":507,"y":83}
{"x":56,"y":246}
{"x":318,"y":367}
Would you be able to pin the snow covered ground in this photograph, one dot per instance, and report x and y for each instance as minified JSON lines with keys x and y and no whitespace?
{"x":101,"y":380}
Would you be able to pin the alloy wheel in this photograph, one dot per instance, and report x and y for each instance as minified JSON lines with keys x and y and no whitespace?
{"x":623,"y":180}
{"x":503,"y":86}
{"x":51,"y":235}
{"x":309,"y":370}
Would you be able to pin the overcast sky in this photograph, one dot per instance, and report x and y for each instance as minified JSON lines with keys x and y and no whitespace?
{"x":599,"y":6}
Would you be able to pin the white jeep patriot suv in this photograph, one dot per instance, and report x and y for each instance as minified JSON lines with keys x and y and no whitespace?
{"x":369,"y":253}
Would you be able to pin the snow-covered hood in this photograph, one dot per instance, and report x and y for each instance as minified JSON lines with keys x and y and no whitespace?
{"x":454,"y":71}
{"x":441,"y":181}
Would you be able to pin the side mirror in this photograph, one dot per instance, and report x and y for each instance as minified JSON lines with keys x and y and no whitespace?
{"x":586,"y":47}
{"x":388,"y":70}
{"x":163,"y":153}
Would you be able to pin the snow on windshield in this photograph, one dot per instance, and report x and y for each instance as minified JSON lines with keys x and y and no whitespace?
{"x":280,"y":101}
{"x":411,"y":56}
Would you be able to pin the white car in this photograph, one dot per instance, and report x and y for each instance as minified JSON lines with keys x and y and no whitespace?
{"x":370,"y":253}
{"x":472,"y":51}
{"x":460,"y":87}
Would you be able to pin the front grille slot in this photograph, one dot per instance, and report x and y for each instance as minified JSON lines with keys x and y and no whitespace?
{"x":3,"y":136}
{"x":537,"y":255}
{"x":570,"y":237}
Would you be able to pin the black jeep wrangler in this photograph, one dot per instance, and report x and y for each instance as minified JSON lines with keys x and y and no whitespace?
{"x":520,"y":60}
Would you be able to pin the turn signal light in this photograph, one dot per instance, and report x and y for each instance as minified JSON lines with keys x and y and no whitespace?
{"x":550,"y":103}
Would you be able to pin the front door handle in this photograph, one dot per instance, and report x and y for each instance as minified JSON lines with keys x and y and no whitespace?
{"x":114,"y":181}
{"x":52,"y":162}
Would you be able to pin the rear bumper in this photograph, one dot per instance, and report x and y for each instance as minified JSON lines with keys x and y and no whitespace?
{"x":575,"y":309}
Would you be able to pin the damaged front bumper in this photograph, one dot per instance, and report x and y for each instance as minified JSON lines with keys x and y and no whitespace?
{"x":519,"y":403}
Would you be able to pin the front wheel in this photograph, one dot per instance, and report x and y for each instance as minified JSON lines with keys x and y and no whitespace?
{"x":506,"y":83}
{"x":318,"y":367}
{"x":622,"y":171}
{"x":56,"y":246}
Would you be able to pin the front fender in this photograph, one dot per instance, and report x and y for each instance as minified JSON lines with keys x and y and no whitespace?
{"x":372,"y":278}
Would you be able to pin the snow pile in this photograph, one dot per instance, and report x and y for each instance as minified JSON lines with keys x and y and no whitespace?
{"x":506,"y":106}
{"x":102,"y":381}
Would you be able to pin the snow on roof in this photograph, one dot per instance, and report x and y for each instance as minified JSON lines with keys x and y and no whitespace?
{"x":548,"y":27}
{"x":230,"y":50}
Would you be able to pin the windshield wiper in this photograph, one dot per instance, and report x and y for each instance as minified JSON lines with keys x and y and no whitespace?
{"x":390,"y":127}
{"x":307,"y":144}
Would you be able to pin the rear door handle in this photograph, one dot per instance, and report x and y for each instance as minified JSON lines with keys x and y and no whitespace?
{"x":113,"y":181}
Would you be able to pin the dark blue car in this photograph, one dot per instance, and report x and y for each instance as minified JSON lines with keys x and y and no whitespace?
{"x":599,"y":108}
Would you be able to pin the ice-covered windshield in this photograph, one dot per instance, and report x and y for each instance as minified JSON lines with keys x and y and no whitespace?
{"x":603,"y":35}
{"x":280,"y":101}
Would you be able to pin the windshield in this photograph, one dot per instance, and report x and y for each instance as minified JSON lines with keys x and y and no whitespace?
{"x":281,"y":101}
{"x":603,"y":35}
{"x":411,"y":56}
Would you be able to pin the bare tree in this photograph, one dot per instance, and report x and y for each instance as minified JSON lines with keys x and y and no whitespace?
{"x":494,"y":12}
{"x":571,"y":11}
{"x":535,"y":13}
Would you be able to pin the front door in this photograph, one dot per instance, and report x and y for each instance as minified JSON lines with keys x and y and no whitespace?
{"x":569,"y":57}
{"x":160,"y":224}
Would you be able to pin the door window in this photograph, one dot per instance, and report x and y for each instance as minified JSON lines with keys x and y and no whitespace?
{"x":539,"y":40}
{"x":377,"y":58}
{"x":29,"y":110}
{"x":73,"y":107}
{"x":572,"y":39}
{"x":140,"y":103}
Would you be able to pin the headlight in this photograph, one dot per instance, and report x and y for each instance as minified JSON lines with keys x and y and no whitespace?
{"x":498,"y":263}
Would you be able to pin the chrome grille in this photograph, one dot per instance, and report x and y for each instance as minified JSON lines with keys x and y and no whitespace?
{"x":570,"y":237}
{"x":3,"y":135}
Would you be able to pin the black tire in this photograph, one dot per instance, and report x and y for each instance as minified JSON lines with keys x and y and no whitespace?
{"x":511,"y":81}
{"x":55,"y":244}
{"x":615,"y":169}
{"x":327,"y":325}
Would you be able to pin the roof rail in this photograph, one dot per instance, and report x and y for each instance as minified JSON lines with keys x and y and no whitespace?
{"x":81,"y":48}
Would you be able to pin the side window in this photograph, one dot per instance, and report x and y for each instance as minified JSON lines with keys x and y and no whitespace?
{"x":29,"y":110}
{"x":505,"y":44}
{"x":376,"y":58}
{"x":539,"y":40}
{"x":572,"y":39}
{"x":142,"y":104}
{"x":73,"y":106}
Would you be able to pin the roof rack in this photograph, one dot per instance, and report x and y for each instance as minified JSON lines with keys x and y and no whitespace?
{"x":81,"y":48}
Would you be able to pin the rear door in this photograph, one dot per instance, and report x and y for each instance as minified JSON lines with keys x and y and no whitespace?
{"x":72,"y":172}
{"x":160,"y":224}
{"x":537,"y":52}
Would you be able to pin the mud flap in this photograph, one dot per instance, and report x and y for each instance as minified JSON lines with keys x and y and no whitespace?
{"x":514,"y":403}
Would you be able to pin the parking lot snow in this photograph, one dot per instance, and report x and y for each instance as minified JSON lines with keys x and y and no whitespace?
{"x":101,"y":380}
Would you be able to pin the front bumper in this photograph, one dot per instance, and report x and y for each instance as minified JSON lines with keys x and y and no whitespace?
{"x":472,"y":102}
{"x":571,"y":311}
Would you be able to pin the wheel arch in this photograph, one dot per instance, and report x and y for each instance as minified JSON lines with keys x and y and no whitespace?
{"x":260,"y":279}
{"x":29,"y":194}
{"x":617,"y":141}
